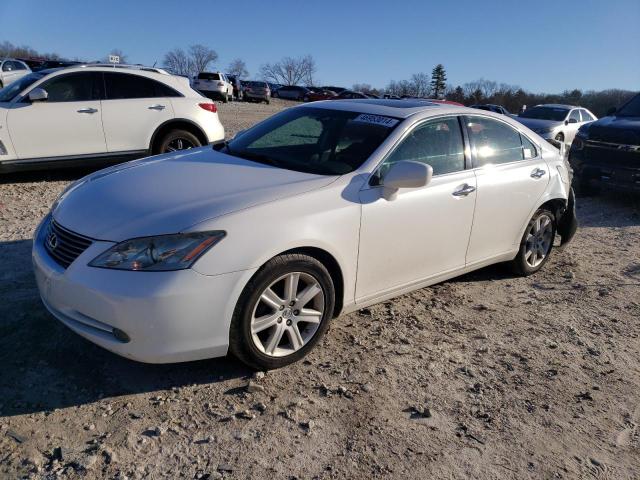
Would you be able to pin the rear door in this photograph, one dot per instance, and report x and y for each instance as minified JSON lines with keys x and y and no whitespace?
{"x":68,"y":123}
{"x":511,"y":177}
{"x":133,"y":108}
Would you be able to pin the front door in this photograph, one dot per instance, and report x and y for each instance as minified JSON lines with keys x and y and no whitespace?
{"x":511,"y":176}
{"x":424,"y":231}
{"x":68,"y":123}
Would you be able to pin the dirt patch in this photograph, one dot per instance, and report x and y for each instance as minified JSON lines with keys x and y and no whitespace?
{"x":485,"y":376}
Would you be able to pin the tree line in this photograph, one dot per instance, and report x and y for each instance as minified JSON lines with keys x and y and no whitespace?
{"x":302,"y":70}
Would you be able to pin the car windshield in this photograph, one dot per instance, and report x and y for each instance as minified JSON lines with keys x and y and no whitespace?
{"x":631,"y":109}
{"x":546,"y":113}
{"x":256,"y":84}
{"x":314,"y":140}
{"x":10,"y":91}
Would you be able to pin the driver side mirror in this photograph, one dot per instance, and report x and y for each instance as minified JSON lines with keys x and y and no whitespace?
{"x":405,"y":174}
{"x":611,"y":111}
{"x":38,"y":95}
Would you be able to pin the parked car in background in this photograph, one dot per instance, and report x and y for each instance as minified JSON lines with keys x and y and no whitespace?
{"x":49,"y":64}
{"x":334,"y":89}
{"x":319,"y":94}
{"x":92,"y":114}
{"x":254,"y":246}
{"x":492,"y":108}
{"x":33,"y":63}
{"x":12,"y":70}
{"x":256,"y":91}
{"x":607,"y":151}
{"x":214,"y":85}
{"x":293,"y":92}
{"x":556,"y":123}
{"x":349,"y":95}
{"x":237,"y":86}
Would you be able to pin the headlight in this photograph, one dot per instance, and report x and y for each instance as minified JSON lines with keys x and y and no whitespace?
{"x":161,"y":253}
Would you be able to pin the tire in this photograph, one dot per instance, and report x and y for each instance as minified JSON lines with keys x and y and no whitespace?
{"x":170,"y":141}
{"x":267,"y":101}
{"x":527,"y":263}
{"x":252,"y":348}
{"x":225,"y":98}
{"x":559,"y":137}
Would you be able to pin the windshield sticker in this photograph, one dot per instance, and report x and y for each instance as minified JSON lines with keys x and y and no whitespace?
{"x":376,"y":120}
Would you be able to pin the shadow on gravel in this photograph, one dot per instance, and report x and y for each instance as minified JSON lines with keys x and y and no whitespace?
{"x":608,"y":209}
{"x":44,"y":366}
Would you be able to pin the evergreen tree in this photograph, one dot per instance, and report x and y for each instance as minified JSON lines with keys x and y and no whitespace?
{"x":438,"y":81}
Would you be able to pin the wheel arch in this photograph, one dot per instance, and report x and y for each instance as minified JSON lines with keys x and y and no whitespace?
{"x":330,"y":263}
{"x":173,"y":124}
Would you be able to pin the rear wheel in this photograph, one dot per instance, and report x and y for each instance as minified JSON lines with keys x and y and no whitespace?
{"x":282,"y":312}
{"x":560,"y":137}
{"x":178,"y":140}
{"x":536,"y":243}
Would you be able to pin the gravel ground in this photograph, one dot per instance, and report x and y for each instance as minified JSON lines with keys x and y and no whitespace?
{"x":485,"y":376}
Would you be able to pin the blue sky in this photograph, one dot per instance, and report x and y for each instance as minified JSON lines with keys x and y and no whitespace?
{"x":543,"y":46}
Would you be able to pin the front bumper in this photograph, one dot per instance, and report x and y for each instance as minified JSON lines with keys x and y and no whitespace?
{"x":168,"y":316}
{"x":617,"y":170}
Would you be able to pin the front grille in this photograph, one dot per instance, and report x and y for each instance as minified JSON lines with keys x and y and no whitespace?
{"x":611,"y":154}
{"x":63,"y":245}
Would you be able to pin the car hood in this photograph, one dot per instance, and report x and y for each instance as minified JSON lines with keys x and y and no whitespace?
{"x":535,"y":124}
{"x":621,"y":130}
{"x":170,"y":193}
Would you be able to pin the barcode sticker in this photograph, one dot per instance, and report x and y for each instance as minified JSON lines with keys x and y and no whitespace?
{"x":376,"y":120}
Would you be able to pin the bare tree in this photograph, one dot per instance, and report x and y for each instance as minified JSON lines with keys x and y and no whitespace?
{"x":8,"y":49}
{"x":238,"y":68}
{"x":177,"y":61}
{"x":201,"y":57}
{"x":290,"y":71}
{"x":420,"y":84}
{"x":189,"y":64}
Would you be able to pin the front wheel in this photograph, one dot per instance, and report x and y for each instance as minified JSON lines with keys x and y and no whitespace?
{"x":282,"y":312}
{"x":536,"y":243}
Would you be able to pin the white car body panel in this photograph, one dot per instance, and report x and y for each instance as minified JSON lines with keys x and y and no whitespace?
{"x":9,"y":76}
{"x":144,"y":115}
{"x":383,"y":247}
{"x":59,"y":130}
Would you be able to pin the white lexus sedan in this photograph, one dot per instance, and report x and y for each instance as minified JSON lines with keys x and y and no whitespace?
{"x":253,"y":246}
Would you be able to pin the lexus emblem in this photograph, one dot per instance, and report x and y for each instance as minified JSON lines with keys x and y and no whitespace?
{"x":52,"y":241}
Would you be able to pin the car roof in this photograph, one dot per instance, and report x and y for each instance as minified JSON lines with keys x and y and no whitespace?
{"x":557,"y":105}
{"x":389,"y":107}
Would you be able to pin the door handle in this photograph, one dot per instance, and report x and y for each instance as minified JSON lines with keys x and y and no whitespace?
{"x":157,"y":107}
{"x":538,"y":173}
{"x":464,"y":190}
{"x":88,"y":110}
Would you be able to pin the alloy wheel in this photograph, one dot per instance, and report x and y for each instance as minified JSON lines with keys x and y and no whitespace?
{"x":539,"y":240}
{"x":179,"y":144}
{"x":287,"y":314}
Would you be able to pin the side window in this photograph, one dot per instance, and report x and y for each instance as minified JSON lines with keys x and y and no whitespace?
{"x":574,"y":115}
{"x":586,"y":117}
{"x":74,"y":87}
{"x":436,"y":142}
{"x":20,"y":66}
{"x":493,"y":142}
{"x":121,"y":86}
{"x":7,"y":66}
{"x":528,"y":149}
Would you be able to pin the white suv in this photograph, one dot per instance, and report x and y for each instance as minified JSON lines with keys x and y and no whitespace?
{"x":12,"y":70}
{"x":96,"y":112}
{"x":214,"y":85}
